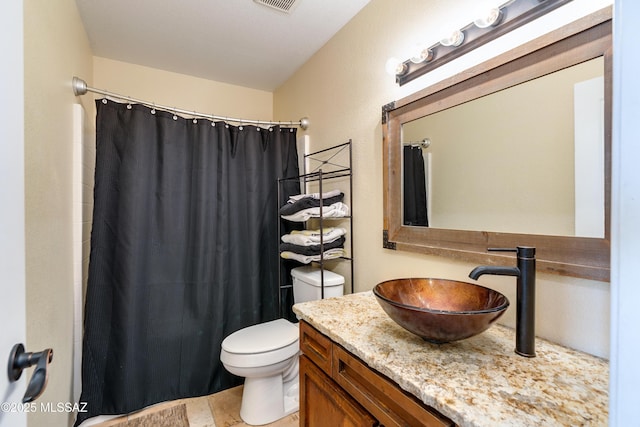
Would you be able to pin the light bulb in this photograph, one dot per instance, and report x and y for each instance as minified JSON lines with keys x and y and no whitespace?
{"x":421,"y":54}
{"x":491,"y":18}
{"x":395,"y":67}
{"x":455,"y":39}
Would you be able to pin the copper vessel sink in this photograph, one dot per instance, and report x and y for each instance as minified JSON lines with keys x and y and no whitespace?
{"x":440,"y":310}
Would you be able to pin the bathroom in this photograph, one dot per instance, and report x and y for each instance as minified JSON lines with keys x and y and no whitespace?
{"x":341,"y":88}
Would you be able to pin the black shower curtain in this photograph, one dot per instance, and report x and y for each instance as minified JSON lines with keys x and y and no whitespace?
{"x":415,"y":189}
{"x":184,"y":251}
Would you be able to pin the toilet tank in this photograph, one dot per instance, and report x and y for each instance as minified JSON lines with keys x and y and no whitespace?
{"x":307,"y":284}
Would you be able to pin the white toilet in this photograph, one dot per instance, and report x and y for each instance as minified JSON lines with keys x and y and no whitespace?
{"x":266,"y":354}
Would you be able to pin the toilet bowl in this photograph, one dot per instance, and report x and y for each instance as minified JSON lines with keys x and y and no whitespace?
{"x":266,"y":354}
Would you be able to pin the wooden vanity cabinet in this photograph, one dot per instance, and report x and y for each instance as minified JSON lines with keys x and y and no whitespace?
{"x":338,"y":389}
{"x":324,"y":403}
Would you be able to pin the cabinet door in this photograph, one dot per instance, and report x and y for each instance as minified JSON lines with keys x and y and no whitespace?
{"x":379,"y":395}
{"x":316,"y":347}
{"x":323,"y":403}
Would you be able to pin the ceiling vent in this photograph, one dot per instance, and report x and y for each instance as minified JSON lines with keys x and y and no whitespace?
{"x":285,"y":6}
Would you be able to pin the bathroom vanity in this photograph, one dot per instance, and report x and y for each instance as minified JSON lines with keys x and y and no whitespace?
{"x":339,"y":389}
{"x":360,"y":367}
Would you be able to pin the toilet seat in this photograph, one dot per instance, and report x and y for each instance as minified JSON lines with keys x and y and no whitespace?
{"x":261,"y":345}
{"x":262,"y":337}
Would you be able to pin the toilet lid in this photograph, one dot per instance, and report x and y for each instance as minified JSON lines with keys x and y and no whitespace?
{"x":262,"y":337}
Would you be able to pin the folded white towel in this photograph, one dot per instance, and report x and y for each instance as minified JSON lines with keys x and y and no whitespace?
{"x":325,"y":195}
{"x":312,"y":237}
{"x":335,"y":210}
{"x":306,"y":259}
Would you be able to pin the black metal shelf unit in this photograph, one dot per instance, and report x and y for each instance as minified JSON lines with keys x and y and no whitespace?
{"x":321,"y":167}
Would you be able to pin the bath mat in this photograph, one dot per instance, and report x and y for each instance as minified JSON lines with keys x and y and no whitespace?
{"x":175,"y":416}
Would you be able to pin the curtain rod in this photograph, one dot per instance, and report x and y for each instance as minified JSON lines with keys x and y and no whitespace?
{"x":425,"y":143}
{"x":80,"y":88}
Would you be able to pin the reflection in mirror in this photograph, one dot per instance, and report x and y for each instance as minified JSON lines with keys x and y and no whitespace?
{"x":527,"y":159}
{"x":461,"y":224}
{"x":415,"y":161}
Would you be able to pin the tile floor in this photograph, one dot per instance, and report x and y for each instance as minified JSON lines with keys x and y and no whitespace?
{"x":217,"y":410}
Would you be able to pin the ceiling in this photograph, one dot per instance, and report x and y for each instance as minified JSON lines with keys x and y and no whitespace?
{"x":239,"y":42}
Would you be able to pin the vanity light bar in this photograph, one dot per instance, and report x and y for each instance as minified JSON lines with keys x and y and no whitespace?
{"x":496,"y":23}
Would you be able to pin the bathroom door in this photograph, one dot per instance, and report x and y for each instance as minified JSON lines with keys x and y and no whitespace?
{"x":12,"y":252}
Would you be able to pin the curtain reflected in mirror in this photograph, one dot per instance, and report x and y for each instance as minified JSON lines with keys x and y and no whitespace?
{"x":415,"y":186}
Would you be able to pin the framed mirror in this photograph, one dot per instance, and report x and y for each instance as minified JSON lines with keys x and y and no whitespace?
{"x":513,"y":152}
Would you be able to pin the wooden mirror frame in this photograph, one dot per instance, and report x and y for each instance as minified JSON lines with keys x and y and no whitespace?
{"x":577,"y":42}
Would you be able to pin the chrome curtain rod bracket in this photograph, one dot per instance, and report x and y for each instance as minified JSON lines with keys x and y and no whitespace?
{"x":80,"y":88}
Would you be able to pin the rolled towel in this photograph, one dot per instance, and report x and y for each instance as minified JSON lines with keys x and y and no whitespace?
{"x":335,"y":210}
{"x":305,"y":259}
{"x":312,"y":237}
{"x":325,"y":195}
{"x":312,"y":249}
{"x":292,"y":207}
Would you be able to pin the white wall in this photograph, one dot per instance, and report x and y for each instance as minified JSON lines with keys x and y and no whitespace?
{"x":342,"y":89}
{"x":625,"y":228}
{"x":181,"y":91}
{"x":55,"y":48}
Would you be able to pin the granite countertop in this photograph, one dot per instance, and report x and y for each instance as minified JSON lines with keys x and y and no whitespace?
{"x":475,"y":382}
